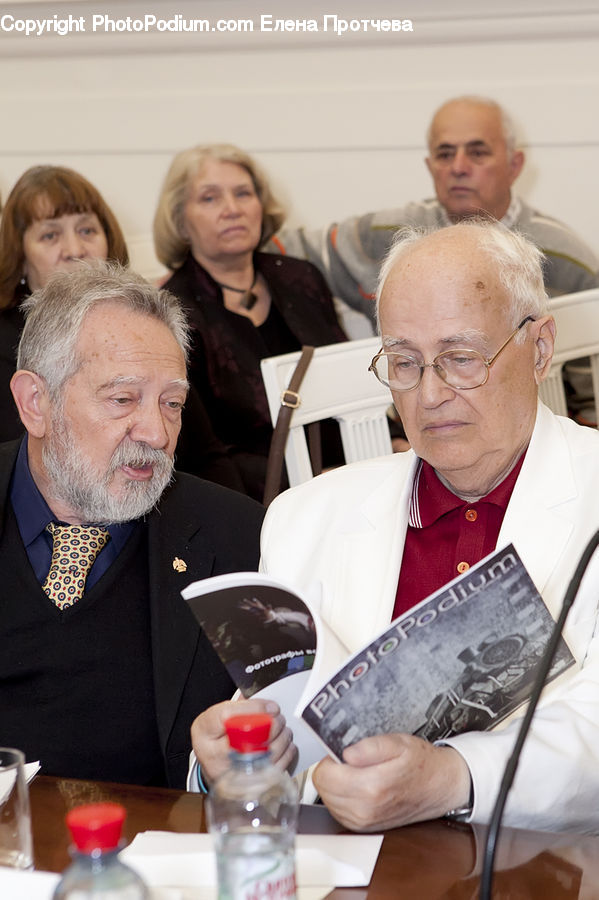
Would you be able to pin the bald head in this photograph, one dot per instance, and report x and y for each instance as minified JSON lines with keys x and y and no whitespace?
{"x":508,"y":128}
{"x":516,"y":261}
{"x":472,"y":158}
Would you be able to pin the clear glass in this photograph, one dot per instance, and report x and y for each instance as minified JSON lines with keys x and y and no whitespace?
{"x":252,"y":815}
{"x":16,"y":847}
{"x":100,"y":875}
{"x":461,"y":368}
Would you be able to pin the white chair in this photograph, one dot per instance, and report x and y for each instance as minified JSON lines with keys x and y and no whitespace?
{"x":577,"y":320}
{"x":337,"y":385}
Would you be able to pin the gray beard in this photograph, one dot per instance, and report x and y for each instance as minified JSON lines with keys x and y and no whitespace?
{"x":86,"y":492}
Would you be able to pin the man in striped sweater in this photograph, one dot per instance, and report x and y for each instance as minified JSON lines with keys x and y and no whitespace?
{"x":473,"y":160}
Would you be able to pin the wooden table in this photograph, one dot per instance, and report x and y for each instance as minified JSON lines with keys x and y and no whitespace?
{"x":431,"y":860}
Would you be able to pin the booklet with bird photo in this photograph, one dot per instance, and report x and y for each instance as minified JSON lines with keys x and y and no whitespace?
{"x":462,"y":659}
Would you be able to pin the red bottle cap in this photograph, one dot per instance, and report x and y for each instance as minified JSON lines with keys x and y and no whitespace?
{"x":96,"y":826}
{"x":249,"y":733}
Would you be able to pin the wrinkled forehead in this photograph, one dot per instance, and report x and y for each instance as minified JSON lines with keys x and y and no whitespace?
{"x":466,"y":123}
{"x":445,"y":282}
{"x":113,"y":332}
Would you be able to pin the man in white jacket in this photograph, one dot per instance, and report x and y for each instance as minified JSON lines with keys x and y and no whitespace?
{"x":466,"y":342}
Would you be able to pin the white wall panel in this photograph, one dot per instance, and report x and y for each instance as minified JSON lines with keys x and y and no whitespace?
{"x":339,"y":122}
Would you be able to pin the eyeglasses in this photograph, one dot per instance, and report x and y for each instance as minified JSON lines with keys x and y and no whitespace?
{"x":462,"y":369}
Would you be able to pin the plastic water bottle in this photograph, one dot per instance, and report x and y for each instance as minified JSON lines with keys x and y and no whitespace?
{"x":96,"y":871}
{"x":252,"y":815}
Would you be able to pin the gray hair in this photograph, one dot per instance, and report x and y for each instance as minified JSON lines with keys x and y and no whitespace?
{"x":56,"y":313}
{"x":170,"y":243}
{"x":518,"y":261}
{"x":508,"y":127}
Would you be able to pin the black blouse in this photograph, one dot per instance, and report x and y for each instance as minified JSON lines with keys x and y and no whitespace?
{"x":227,"y":349}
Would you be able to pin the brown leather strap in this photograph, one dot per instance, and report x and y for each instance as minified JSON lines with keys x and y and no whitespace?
{"x":290,"y":400}
{"x":315,"y":447}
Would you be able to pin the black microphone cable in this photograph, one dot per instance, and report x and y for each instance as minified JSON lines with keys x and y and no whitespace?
{"x":486,"y":882}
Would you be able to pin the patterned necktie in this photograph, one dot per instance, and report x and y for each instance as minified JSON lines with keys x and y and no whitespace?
{"x":74,"y":550}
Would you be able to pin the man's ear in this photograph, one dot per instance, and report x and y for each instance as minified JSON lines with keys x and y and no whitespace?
{"x":516,"y":163}
{"x":544,"y":343}
{"x":31,"y":396}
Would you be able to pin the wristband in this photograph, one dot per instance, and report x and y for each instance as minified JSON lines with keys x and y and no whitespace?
{"x":461,"y":813}
{"x":201,"y":784}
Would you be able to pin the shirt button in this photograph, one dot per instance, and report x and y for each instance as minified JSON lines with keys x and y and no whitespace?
{"x":463,"y":567}
{"x":471,"y":515}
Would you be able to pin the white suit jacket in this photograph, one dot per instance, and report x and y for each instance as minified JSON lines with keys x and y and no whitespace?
{"x":346,"y":530}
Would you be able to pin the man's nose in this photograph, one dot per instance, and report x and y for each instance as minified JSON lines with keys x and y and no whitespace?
{"x":149,"y":426}
{"x":461,"y":162}
{"x":433,"y":389}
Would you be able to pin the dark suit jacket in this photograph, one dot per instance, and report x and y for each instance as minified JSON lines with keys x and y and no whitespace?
{"x":213,"y":530}
{"x":11,"y":326}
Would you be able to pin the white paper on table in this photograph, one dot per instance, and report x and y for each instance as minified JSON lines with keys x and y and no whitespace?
{"x":211,"y":893}
{"x":19,"y":885}
{"x":8,"y":778}
{"x":335,"y":860}
{"x":31,"y":770}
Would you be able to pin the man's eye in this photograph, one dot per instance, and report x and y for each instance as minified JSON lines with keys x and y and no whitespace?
{"x":121,"y":401}
{"x":175,"y":404}
{"x":403,"y":364}
{"x":479,"y":153}
{"x":461,"y":361}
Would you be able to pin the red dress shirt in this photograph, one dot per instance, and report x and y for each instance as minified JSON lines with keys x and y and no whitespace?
{"x":446,"y":535}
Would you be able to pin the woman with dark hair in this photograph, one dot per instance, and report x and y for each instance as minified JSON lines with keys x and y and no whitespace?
{"x":53,"y":219}
{"x":215,"y":211}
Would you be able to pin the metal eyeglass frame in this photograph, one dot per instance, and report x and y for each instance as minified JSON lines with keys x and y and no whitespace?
{"x":434,"y":365}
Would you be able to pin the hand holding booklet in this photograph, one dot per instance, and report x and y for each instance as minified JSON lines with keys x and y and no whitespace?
{"x":461,"y":660}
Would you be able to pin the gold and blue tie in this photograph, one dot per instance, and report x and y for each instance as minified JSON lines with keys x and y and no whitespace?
{"x":74,"y":550}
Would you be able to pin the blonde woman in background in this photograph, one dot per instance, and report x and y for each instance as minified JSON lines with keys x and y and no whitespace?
{"x":216,"y":210}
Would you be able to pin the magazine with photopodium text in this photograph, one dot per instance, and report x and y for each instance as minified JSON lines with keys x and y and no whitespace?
{"x":461,"y":660}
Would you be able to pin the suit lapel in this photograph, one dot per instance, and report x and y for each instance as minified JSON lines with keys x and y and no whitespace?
{"x":375,"y":535}
{"x":174,"y":631}
{"x":536,"y":520}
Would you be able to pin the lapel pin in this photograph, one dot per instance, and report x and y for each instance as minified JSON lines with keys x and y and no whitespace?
{"x":179,"y":565}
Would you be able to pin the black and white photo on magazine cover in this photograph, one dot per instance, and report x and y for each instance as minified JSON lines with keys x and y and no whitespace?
{"x":461,"y":660}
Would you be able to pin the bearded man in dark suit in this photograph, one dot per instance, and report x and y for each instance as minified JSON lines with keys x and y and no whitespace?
{"x":103,"y":672}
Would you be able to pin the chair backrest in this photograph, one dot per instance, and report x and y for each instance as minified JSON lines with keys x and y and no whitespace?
{"x":577,"y":320}
{"x":337,"y":385}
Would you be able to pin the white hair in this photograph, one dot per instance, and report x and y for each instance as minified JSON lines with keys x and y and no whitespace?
{"x":519,"y":263}
{"x":56,"y":313}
